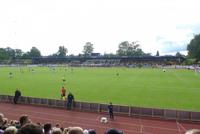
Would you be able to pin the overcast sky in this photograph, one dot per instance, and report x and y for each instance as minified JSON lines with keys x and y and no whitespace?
{"x":164,"y":25}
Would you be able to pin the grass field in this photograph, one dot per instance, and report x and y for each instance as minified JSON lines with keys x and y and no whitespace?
{"x":174,"y":89}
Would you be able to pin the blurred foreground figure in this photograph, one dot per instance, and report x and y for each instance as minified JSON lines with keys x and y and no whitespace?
{"x":17,"y":95}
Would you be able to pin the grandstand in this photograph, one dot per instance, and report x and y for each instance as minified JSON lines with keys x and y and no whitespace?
{"x":110,"y":61}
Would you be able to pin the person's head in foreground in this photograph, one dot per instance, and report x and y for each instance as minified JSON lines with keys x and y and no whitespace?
{"x":75,"y":130}
{"x":24,"y":120}
{"x":113,"y":131}
{"x":193,"y":131}
{"x":10,"y":130}
{"x":30,"y":128}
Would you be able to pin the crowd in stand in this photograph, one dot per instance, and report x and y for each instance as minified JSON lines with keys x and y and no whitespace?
{"x":25,"y":126}
{"x":118,"y":63}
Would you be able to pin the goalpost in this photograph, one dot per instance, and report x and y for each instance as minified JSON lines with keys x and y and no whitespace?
{"x":197,"y":70}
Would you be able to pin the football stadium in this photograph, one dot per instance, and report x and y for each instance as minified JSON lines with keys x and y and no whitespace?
{"x":99,"y":67}
{"x":144,"y":89}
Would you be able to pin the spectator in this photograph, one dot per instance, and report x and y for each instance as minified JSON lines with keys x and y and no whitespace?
{"x":11,"y":123}
{"x":57,"y":125}
{"x":56,"y":130}
{"x":62,"y":129}
{"x":15,"y":123}
{"x":110,"y":110}
{"x":3,"y":122}
{"x":113,"y":131}
{"x":17,"y":95}
{"x":193,"y":131}
{"x":91,"y":131}
{"x":66,"y":130}
{"x":1,"y":131}
{"x":75,"y":130}
{"x":24,"y":120}
{"x":39,"y":124}
{"x":30,"y":128}
{"x":1,"y":119}
{"x":70,"y":100}
{"x":47,"y":128}
{"x":10,"y":130}
{"x":85,"y":131}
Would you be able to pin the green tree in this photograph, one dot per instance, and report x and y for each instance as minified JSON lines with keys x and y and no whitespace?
{"x":62,"y":51}
{"x":109,"y":55}
{"x":157,"y":53}
{"x":129,"y":49}
{"x":194,"y":47}
{"x":178,"y":54}
{"x":18,"y":53}
{"x":7,"y":53}
{"x":34,"y":52}
{"x":10,"y":52}
{"x":26,"y":55}
{"x":88,"y":48}
{"x":3,"y":54}
{"x":123,"y":48}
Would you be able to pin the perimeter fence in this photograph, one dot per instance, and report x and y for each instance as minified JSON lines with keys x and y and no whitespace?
{"x":102,"y":108}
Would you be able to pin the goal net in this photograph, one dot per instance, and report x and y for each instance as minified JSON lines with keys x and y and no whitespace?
{"x":197,"y":70}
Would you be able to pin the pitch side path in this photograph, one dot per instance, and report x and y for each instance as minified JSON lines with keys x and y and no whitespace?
{"x":87,"y":120}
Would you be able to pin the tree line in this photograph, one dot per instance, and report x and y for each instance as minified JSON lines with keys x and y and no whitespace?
{"x":125,"y":48}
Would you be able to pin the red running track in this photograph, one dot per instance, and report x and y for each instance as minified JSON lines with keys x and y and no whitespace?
{"x":86,"y":120}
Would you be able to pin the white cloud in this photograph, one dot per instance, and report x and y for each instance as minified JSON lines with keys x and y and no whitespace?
{"x":47,"y":24}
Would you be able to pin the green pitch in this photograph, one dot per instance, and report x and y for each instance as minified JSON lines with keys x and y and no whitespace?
{"x":174,"y":89}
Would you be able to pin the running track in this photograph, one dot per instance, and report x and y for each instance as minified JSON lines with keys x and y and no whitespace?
{"x":86,"y":120}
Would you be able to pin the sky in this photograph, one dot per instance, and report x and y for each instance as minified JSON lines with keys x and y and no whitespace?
{"x":163,"y":25}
